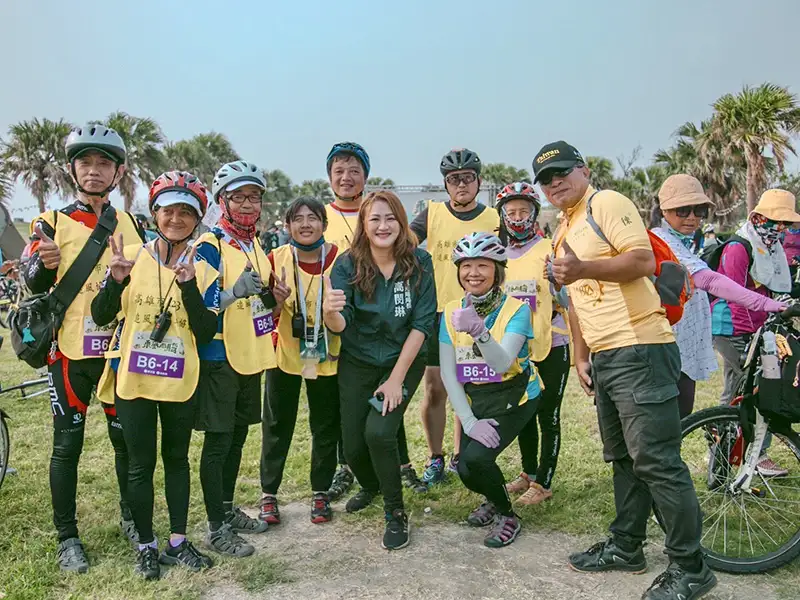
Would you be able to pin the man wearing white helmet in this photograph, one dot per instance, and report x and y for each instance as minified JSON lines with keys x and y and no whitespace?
{"x":96,"y":158}
{"x":229,"y":390}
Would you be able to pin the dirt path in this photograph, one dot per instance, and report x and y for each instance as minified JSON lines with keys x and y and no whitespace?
{"x":342,"y":560}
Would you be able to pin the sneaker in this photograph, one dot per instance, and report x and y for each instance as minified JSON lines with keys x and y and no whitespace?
{"x":129,"y":529}
{"x":769,"y":468}
{"x":505,"y":530}
{"x":519,"y":485}
{"x":607,"y":556}
{"x":147,"y":563}
{"x":395,"y":536}
{"x":240,"y":522}
{"x":72,"y":556}
{"x":187,"y":555}
{"x":269,"y":512}
{"x":410,"y":479}
{"x":225,"y":541}
{"x":483,"y":515}
{"x":342,"y":482}
{"x":321,"y":509}
{"x":452,"y":465}
{"x":677,"y":584}
{"x":360,"y":501}
{"x":434,"y":471}
{"x":536,"y":494}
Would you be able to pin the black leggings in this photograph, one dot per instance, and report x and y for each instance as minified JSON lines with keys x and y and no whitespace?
{"x":71,"y":384}
{"x":281,"y":401}
{"x":477,"y":464}
{"x":139,"y":420}
{"x":370,"y":439}
{"x":220,"y":462}
{"x":553,"y":371}
{"x":686,"y":389}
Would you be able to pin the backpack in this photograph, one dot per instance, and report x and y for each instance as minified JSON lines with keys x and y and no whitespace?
{"x":671,"y":278}
{"x":712,"y":255}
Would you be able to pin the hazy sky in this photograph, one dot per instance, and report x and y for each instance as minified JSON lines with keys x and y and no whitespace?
{"x":408,"y":80}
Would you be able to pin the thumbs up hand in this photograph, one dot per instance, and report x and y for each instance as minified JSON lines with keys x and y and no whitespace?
{"x":467,"y":319}
{"x":281,"y":289}
{"x":333,"y":300}
{"x":48,"y":250}
{"x":569,"y":268}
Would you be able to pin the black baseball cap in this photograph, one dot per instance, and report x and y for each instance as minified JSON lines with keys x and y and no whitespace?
{"x":556,"y":156}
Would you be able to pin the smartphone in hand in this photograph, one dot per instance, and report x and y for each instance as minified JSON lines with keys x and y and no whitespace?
{"x":377,"y":402}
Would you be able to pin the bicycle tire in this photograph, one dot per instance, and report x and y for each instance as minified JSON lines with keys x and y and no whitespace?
{"x":757,"y":564}
{"x":5,"y":449}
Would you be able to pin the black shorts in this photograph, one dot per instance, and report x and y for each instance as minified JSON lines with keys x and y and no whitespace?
{"x":72,"y":384}
{"x":226,"y":398}
{"x":432,"y":348}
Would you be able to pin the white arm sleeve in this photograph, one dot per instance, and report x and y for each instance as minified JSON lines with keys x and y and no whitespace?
{"x":455,"y":389}
{"x":501,"y":356}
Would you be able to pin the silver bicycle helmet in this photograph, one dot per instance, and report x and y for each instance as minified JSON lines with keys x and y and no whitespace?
{"x":480,"y":245}
{"x":241,"y":172}
{"x":96,"y":137}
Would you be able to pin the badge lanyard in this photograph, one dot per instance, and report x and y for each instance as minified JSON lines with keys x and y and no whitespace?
{"x":310,"y":344}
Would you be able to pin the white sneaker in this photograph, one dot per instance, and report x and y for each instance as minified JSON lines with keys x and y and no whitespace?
{"x":768,"y":468}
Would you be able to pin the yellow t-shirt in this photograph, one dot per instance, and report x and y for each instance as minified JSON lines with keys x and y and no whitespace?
{"x":341,"y":227}
{"x":444,"y":231}
{"x":612,"y":315}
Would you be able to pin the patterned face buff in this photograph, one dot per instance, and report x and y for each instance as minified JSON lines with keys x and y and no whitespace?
{"x":520,"y":232}
{"x":769,"y":231}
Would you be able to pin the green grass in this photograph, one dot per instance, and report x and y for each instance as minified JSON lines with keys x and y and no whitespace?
{"x":583,"y":501}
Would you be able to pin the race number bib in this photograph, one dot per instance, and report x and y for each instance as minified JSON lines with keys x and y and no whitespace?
{"x":96,"y":339}
{"x":524,"y":290}
{"x":471,"y":368}
{"x":263,"y":319}
{"x":160,"y":359}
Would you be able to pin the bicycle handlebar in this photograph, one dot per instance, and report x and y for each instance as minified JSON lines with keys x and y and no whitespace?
{"x":791,"y":312}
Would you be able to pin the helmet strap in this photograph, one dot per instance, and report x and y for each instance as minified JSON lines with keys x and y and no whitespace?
{"x":358,"y":196}
{"x":85,"y":192}
{"x":228,"y":223}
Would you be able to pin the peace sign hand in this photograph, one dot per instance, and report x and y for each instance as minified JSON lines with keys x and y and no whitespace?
{"x":184,"y":271}
{"x":48,"y":250}
{"x":280,"y":289}
{"x":120,"y":266}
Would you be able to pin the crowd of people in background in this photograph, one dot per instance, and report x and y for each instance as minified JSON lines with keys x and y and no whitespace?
{"x":185,"y":329}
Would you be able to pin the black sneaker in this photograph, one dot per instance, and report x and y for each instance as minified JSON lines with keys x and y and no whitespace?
{"x":242,"y":523}
{"x":360,"y":501}
{"x":147,"y":563}
{"x":321,"y":508}
{"x":226,"y":542}
{"x":607,"y":556}
{"x":678,"y":584}
{"x":72,"y":556}
{"x":410,"y":479}
{"x":342,"y":482}
{"x":128,"y":528}
{"x":187,"y":555}
{"x":395,"y":536}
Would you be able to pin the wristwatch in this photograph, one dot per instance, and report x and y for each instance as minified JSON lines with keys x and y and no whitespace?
{"x":484,"y":337}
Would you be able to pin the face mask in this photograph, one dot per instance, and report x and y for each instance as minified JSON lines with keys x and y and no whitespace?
{"x":767,"y":230}
{"x":519,"y":231}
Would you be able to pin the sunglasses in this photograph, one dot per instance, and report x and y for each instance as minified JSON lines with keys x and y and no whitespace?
{"x":547,"y":177}
{"x":459,"y":178}
{"x":700,"y":211}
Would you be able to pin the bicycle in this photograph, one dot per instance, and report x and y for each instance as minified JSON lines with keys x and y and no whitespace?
{"x":11,"y":291}
{"x":751,"y":520}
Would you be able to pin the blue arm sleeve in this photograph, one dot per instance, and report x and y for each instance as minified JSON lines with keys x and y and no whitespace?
{"x":444,"y":335}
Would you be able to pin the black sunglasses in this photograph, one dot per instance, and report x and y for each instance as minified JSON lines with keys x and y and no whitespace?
{"x":459,"y":178}
{"x":700,"y":211}
{"x":547,"y":177}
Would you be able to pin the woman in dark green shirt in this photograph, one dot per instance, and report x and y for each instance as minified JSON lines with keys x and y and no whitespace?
{"x":382,"y":299}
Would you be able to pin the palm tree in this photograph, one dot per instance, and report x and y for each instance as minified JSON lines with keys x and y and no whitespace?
{"x":35,"y":152}
{"x":380,"y":182}
{"x":143,"y":139}
{"x":6,"y":184}
{"x":502,"y":174}
{"x":602,"y":172}
{"x":318,"y":188}
{"x":755,"y":120}
{"x":278,"y":195}
{"x":201,"y":155}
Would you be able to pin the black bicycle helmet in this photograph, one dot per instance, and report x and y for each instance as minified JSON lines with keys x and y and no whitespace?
{"x":460,"y":159}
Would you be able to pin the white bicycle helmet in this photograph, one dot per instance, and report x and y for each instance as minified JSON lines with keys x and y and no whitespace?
{"x":238,"y":172}
{"x":480,"y":245}
{"x":95,"y":137}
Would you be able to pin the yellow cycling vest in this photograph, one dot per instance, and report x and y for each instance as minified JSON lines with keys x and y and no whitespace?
{"x":79,"y":336}
{"x":341,"y":228}
{"x":246,"y":324}
{"x":166,"y":371}
{"x":524,"y":281}
{"x":288,"y":353}
{"x":444,"y":231}
{"x":463,"y":345}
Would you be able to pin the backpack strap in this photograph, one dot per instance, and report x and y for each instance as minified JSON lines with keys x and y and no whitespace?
{"x":69,"y":285}
{"x":593,"y":224}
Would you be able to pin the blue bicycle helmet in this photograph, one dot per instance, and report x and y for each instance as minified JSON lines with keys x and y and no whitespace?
{"x":349,"y":149}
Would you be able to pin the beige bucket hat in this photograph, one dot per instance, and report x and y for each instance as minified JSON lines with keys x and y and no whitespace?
{"x":681,"y":190}
{"x":777,"y":205}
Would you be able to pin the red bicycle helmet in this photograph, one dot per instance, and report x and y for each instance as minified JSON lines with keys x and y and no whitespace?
{"x":520,"y":189}
{"x":179,"y":181}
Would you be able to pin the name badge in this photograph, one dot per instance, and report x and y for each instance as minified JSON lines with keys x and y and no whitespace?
{"x":96,"y":339}
{"x":524,"y":290}
{"x":159,"y":359}
{"x":263,"y":319}
{"x":471,"y":368}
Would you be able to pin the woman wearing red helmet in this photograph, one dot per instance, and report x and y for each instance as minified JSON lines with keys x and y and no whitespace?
{"x":518,"y":205}
{"x":167,"y":305}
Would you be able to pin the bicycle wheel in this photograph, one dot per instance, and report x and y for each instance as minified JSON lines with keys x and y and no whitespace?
{"x":5,"y":448}
{"x":744,"y":531}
